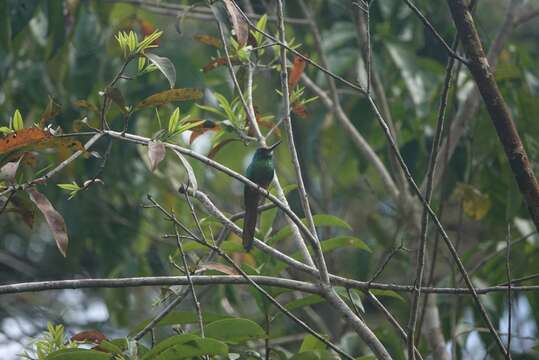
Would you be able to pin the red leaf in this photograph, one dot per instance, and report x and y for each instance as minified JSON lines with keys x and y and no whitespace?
{"x":201,"y":129}
{"x":212,"y":65}
{"x":22,"y":138}
{"x":299,"y":110}
{"x":54,"y":219}
{"x":298,"y":67}
{"x":90,"y":336}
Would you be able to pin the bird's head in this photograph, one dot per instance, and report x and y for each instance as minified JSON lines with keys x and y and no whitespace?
{"x":266,"y":152}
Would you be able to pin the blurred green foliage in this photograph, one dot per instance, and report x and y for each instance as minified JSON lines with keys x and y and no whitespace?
{"x":67,"y":50}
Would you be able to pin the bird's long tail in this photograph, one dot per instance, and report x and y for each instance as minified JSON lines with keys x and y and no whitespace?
{"x":251,"y":200}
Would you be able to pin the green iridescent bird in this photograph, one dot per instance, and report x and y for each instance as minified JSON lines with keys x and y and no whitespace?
{"x":259,"y":171}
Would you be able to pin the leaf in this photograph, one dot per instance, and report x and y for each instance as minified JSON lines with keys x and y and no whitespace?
{"x":315,"y":355}
{"x":170,"y":96}
{"x":344,"y":241}
{"x":156,"y":153}
{"x":329,"y":220}
{"x":241,"y":28}
{"x":4,"y":130}
{"x":190,"y":173}
{"x":78,"y":354}
{"x":474,"y":203}
{"x":180,"y":318}
{"x":18,"y":124}
{"x":165,"y":66}
{"x":299,"y":110}
{"x":319,"y":220}
{"x":310,"y":343}
{"x":387,"y":293}
{"x":83,"y":104}
{"x":54,"y":219}
{"x":221,"y":61}
{"x":201,"y":129}
{"x":209,"y":40}
{"x":53,"y":109}
{"x":298,"y":66}
{"x":234,"y":331}
{"x":174,"y":120}
{"x":116,"y":95}
{"x":22,"y":138}
{"x":91,"y":336}
{"x":185,"y":346}
{"x":304,"y":301}
{"x":224,"y":269}
{"x":9,"y":170}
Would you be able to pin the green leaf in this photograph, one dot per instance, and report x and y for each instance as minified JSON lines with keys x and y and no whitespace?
{"x":319,"y":220}
{"x":305,"y":301}
{"x":310,"y":343}
{"x":387,"y":293}
{"x":180,"y":318}
{"x":260,"y":25}
{"x":234,"y":331}
{"x":343,"y":242}
{"x":330,"y":220}
{"x":165,"y":66}
{"x":315,"y":355}
{"x":189,"y":169}
{"x":168,"y":96}
{"x":78,"y":354}
{"x":17,"y":123}
{"x":185,"y":346}
{"x":5,"y":130}
{"x":69,"y":187}
{"x":174,"y":120}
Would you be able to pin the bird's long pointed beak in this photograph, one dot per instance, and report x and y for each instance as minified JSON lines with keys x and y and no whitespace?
{"x":272,"y":147}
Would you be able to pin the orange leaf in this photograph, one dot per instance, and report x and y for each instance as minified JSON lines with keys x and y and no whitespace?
{"x":214,"y":64}
{"x":299,"y":110}
{"x":209,"y":40}
{"x":147,"y":28}
{"x":298,"y":67}
{"x":53,"y":109}
{"x":22,"y":138}
{"x":90,"y":336}
{"x":201,"y":129}
{"x":171,"y":95}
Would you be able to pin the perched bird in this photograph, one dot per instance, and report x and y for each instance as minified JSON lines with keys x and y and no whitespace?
{"x":259,"y":171}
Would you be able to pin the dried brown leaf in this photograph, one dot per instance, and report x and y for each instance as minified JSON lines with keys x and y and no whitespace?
{"x":54,"y":219}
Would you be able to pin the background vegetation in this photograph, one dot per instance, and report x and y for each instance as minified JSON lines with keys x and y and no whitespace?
{"x":63,"y":52}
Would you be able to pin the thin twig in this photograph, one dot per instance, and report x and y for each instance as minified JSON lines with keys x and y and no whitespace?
{"x":43,"y":179}
{"x":292,"y":149}
{"x":509,"y":294}
{"x":248,"y":278}
{"x":188,"y":275}
{"x":450,"y":50}
{"x":431,"y":169}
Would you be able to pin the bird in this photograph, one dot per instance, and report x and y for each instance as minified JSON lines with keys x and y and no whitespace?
{"x":259,"y":171}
